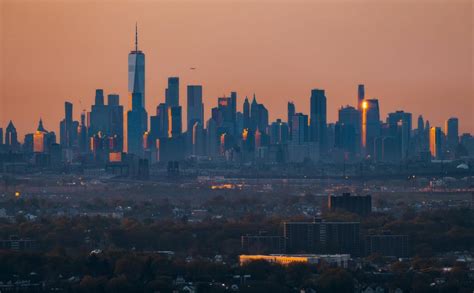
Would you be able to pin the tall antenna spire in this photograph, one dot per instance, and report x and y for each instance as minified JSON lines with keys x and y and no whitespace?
{"x":136,"y":36}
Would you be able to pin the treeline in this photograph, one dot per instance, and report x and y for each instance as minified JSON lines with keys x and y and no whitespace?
{"x":125,"y":271}
{"x":429,"y":232}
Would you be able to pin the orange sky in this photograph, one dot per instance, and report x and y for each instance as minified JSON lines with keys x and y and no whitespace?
{"x":412,"y":55}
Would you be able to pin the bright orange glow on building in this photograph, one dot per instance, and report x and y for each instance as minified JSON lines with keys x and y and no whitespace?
{"x":365,"y":107}
{"x":38,"y":142}
{"x":340,"y":260}
{"x":435,"y":142}
{"x":115,"y":157}
{"x":170,"y":122}
{"x":283,"y":260}
{"x":245,"y":134}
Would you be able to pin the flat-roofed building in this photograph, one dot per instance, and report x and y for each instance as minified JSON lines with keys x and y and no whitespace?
{"x":322,"y":237}
{"x":339,"y":260}
{"x":387,"y":245}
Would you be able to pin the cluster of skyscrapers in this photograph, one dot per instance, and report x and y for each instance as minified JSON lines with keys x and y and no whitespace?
{"x":233,"y":135}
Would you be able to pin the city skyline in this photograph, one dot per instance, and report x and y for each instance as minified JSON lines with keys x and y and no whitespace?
{"x":339,"y":92}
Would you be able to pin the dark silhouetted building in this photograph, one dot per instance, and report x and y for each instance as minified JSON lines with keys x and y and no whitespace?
{"x":357,"y":204}
{"x":318,"y":118}
{"x":322,"y":237}
{"x":452,"y":133}
{"x":11,"y":137}
{"x":435,"y":143}
{"x":137,"y":117}
{"x":387,"y":245}
{"x":195,"y":106}
{"x":172,"y":92}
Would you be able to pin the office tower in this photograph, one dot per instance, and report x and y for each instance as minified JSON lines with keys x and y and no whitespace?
{"x":107,"y":120}
{"x":246,"y":114}
{"x":262,"y":118}
{"x":224,"y":116}
{"x":39,"y":140}
{"x":279,"y":132}
{"x":136,"y":125}
{"x":299,"y":130}
{"x":172,"y":92}
{"x":345,"y":138}
{"x":28,"y":144}
{"x":233,"y":108}
{"x":357,"y":204}
{"x":254,"y":115}
{"x":348,"y":129}
{"x":211,"y":138}
{"x":370,"y":124}
{"x":67,"y":133}
{"x":452,"y":133}
{"x":400,"y":127}
{"x":1,"y":136}
{"x":99,"y":116}
{"x":195,"y":106}
{"x":174,"y":117}
{"x":83,"y":134}
{"x":239,"y":123}
{"x":159,"y":123}
{"x":421,"y":124}
{"x":198,"y":139}
{"x":115,"y":111}
{"x":322,"y":237}
{"x":435,"y":142}
{"x":11,"y":136}
{"x":291,"y":110}
{"x":387,"y":245}
{"x":137,"y":117}
{"x":136,"y":73}
{"x":360,"y":96}
{"x":318,"y":118}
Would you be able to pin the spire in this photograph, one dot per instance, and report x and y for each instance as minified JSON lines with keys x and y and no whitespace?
{"x":136,"y":36}
{"x":40,"y":126}
{"x":254,"y":99}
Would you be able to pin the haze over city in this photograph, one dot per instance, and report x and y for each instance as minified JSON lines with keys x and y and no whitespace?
{"x":236,"y":146}
{"x":415,"y":56}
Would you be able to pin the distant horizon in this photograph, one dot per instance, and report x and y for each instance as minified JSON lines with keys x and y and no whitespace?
{"x":81,"y":47}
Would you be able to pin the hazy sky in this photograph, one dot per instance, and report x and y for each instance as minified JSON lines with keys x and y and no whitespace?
{"x":411,"y":55}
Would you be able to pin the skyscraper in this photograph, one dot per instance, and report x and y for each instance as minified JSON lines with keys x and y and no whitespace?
{"x":435,"y":142}
{"x":11,"y":136}
{"x":360,"y":96}
{"x":172,"y":92}
{"x":137,"y":117}
{"x":174,"y":118}
{"x":246,"y":113}
{"x":400,"y":126}
{"x":370,"y":124}
{"x":136,"y":73}
{"x":291,"y":110}
{"x":115,"y":111}
{"x":195,"y":106}
{"x":67,"y":134}
{"x":1,"y":136}
{"x":452,"y":133}
{"x":299,"y":130}
{"x":318,"y":118}
{"x":348,"y":129}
